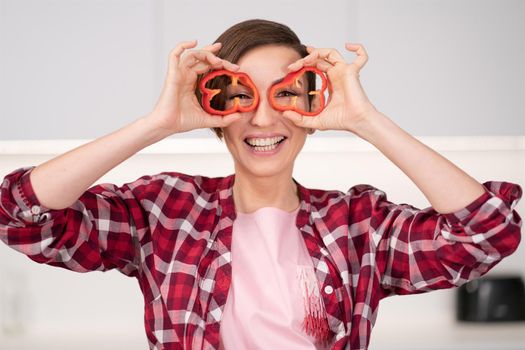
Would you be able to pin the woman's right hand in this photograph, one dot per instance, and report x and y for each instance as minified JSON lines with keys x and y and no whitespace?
{"x":178,"y":109}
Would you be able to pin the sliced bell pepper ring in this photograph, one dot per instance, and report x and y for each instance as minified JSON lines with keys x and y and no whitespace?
{"x":236,"y":77}
{"x":292,"y":79}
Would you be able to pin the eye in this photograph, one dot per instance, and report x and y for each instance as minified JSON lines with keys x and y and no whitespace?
{"x":240,"y":96}
{"x":286,"y":93}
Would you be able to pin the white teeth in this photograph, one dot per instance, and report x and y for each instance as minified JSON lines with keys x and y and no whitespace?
{"x":266,"y":148}
{"x":264,"y":142}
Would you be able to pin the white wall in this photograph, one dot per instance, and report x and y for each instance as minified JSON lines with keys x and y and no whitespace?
{"x":80,"y":69}
{"x":106,"y":308}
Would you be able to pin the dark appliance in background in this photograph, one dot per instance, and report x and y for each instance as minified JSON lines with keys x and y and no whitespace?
{"x":491,"y":299}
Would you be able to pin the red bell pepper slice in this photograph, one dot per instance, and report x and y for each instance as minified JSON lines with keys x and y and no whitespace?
{"x":291,"y":80}
{"x":235,"y":79}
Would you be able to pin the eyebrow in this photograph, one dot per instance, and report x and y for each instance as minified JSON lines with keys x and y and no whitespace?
{"x":272,"y":84}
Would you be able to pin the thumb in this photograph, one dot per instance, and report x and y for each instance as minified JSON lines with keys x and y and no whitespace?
{"x":230,"y":118}
{"x":296,"y":118}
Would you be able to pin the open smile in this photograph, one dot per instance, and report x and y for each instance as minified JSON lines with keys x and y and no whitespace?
{"x":265,"y":147}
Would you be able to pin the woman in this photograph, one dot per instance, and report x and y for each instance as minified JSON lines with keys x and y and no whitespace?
{"x":254,"y":259}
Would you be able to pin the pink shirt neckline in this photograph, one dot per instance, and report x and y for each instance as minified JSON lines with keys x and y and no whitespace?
{"x":275,"y":209}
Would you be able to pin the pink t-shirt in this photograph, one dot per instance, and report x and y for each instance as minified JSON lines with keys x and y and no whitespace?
{"x":265,"y":306}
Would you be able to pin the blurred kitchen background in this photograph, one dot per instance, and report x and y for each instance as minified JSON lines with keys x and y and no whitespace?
{"x":449,"y":72}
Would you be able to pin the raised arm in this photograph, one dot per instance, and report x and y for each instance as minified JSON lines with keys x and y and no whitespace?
{"x":49,"y":213}
{"x":60,"y":181}
{"x":447,"y":187}
{"x":468,"y":228}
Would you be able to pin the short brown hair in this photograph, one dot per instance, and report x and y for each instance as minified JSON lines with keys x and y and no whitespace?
{"x":247,"y":35}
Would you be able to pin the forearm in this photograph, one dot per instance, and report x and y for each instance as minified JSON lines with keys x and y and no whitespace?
{"x":62,"y":180}
{"x":446,"y":187}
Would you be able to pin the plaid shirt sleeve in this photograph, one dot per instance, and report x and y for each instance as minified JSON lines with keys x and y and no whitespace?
{"x":422,"y":250}
{"x":98,"y":232}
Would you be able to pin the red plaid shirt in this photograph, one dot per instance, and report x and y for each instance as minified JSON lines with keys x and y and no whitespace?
{"x":173,"y":232}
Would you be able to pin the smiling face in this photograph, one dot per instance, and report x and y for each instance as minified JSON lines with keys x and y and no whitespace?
{"x":275,"y":141}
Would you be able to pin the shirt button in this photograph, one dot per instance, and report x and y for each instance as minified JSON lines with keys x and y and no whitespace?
{"x":35,"y":209}
{"x":328,"y":289}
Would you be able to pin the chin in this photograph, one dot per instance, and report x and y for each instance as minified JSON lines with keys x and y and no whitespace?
{"x":263,"y":169}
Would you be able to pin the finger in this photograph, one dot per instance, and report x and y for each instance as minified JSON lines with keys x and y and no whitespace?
{"x":225,"y":63}
{"x":219,"y":65}
{"x":199,"y":55}
{"x":230,"y":118}
{"x":203,"y":67}
{"x":362,"y":56}
{"x":228,"y":65}
{"x":319,"y":63}
{"x":212,"y":47}
{"x":209,"y":59}
{"x":323,"y":65}
{"x":223,"y":121}
{"x":329,"y":55}
{"x":292,"y":67}
{"x":300,"y":120}
{"x":175,"y":54}
{"x":298,"y":63}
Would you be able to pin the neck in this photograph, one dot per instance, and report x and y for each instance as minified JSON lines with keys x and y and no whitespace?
{"x":251,"y":193}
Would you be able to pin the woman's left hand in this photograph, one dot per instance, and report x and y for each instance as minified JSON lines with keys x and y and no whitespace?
{"x":348,"y":103}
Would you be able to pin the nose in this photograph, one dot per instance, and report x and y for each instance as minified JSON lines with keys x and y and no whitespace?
{"x":264,"y":115}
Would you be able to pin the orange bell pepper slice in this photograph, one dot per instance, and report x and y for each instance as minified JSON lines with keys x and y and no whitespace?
{"x":235,"y":79}
{"x":292,"y":80}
